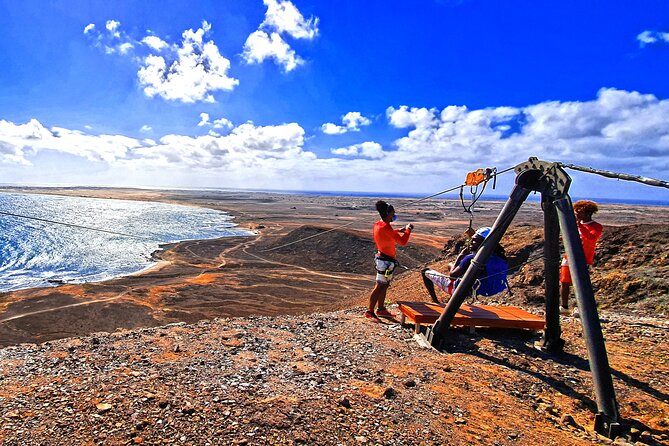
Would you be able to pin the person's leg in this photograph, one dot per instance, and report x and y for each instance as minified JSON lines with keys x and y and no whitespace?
{"x":432,"y":278}
{"x":381,"y":296}
{"x":429,"y":286}
{"x":564,"y":294}
{"x":565,"y":285}
{"x":378,"y":290}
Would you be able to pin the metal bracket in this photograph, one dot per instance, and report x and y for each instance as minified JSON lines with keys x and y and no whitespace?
{"x":606,"y":427}
{"x":553,"y":180}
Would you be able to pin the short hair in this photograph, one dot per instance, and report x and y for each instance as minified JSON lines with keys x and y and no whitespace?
{"x":383,"y":208}
{"x":586,"y":206}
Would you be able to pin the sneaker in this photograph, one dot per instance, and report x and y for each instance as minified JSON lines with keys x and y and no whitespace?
{"x":575,"y":312}
{"x":564,"y":311}
{"x":371,"y":316}
{"x":383,"y":312}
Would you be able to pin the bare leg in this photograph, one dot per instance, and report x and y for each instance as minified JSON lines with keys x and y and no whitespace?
{"x":378,"y":295}
{"x":564,"y":294}
{"x":381,"y":297}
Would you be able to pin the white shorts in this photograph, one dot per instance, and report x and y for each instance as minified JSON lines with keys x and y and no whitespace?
{"x":384,"y":270}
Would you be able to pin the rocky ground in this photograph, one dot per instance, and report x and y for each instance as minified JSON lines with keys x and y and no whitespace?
{"x":326,"y":379}
{"x":324,"y":374}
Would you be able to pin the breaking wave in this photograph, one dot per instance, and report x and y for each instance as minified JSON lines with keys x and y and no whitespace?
{"x":37,"y":254}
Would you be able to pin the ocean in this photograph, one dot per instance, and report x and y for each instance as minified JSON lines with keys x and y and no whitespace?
{"x":40,"y":254}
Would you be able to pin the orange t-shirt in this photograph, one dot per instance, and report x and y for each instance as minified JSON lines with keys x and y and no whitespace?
{"x":590,"y":233}
{"x":386,"y":237}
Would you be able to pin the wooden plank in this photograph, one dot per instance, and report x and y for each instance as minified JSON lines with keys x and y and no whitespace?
{"x":473,"y":315}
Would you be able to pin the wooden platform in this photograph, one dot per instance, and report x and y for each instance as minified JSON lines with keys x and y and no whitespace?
{"x":424,"y":313}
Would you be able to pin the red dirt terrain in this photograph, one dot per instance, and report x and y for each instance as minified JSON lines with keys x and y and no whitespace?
{"x":259,"y":341}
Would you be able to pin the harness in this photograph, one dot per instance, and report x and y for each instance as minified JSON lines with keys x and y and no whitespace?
{"x":495,"y":281}
{"x":392,"y":264}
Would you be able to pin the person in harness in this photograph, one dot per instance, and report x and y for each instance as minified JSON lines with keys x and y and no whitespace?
{"x":385,"y":238}
{"x":492,"y":279}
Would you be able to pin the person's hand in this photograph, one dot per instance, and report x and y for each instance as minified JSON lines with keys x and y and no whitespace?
{"x":409,"y":227}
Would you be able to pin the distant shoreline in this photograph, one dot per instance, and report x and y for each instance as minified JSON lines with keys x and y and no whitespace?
{"x":314,"y":193}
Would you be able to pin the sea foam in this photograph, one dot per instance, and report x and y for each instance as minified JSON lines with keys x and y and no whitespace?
{"x":37,"y":254}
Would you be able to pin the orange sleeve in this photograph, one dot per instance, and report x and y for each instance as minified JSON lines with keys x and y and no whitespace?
{"x":591,"y":231}
{"x":401,"y":239}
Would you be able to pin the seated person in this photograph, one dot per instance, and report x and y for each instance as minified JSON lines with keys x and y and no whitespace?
{"x":492,"y":277}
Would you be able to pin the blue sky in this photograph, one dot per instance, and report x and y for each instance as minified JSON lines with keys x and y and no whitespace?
{"x":385,"y":96}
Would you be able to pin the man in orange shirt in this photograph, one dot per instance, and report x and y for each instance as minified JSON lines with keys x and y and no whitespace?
{"x":385,"y":238}
{"x":590,"y":231}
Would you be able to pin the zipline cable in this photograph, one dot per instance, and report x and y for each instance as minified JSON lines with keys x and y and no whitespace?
{"x":620,"y":176}
{"x":400,"y":206}
{"x":72,"y":225}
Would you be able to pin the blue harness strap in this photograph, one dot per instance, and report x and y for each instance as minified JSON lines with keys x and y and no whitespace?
{"x":495,"y":280}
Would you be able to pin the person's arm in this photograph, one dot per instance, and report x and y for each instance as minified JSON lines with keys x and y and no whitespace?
{"x":461,"y":264}
{"x":401,"y":236}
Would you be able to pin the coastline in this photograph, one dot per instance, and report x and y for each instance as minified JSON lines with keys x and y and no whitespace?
{"x":236,"y":276}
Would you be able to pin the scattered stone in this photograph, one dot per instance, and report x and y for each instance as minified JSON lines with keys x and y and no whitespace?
{"x":103,"y":407}
{"x":344,"y":402}
{"x":389,"y":393}
{"x":409,"y":383}
{"x":634,"y":434}
{"x":568,"y":420}
{"x":646,"y":437}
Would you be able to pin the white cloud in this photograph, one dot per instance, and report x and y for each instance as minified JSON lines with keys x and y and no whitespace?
{"x":650,"y":37}
{"x":367,"y":149}
{"x":332,"y":129}
{"x":204,"y":119}
{"x":222,"y":123}
{"x":282,"y":17}
{"x":351,"y":122}
{"x":260,"y":46}
{"x":618,"y":130}
{"x":145,"y":128}
{"x":90,"y":27}
{"x":216,"y":123}
{"x":197,"y":70}
{"x":112,"y":27}
{"x":189,"y":72}
{"x":125,"y":47}
{"x":155,"y":43}
{"x":245,"y":144}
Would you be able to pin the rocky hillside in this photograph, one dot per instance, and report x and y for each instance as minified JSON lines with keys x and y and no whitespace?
{"x":332,"y":379}
{"x":629,"y":273}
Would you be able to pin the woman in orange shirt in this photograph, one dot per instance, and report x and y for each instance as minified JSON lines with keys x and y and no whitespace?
{"x":590,"y":231}
{"x":385,"y":238}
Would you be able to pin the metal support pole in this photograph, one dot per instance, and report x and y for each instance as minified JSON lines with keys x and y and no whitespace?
{"x":597,"y":357}
{"x":552,"y":340}
{"x":516,"y":199}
